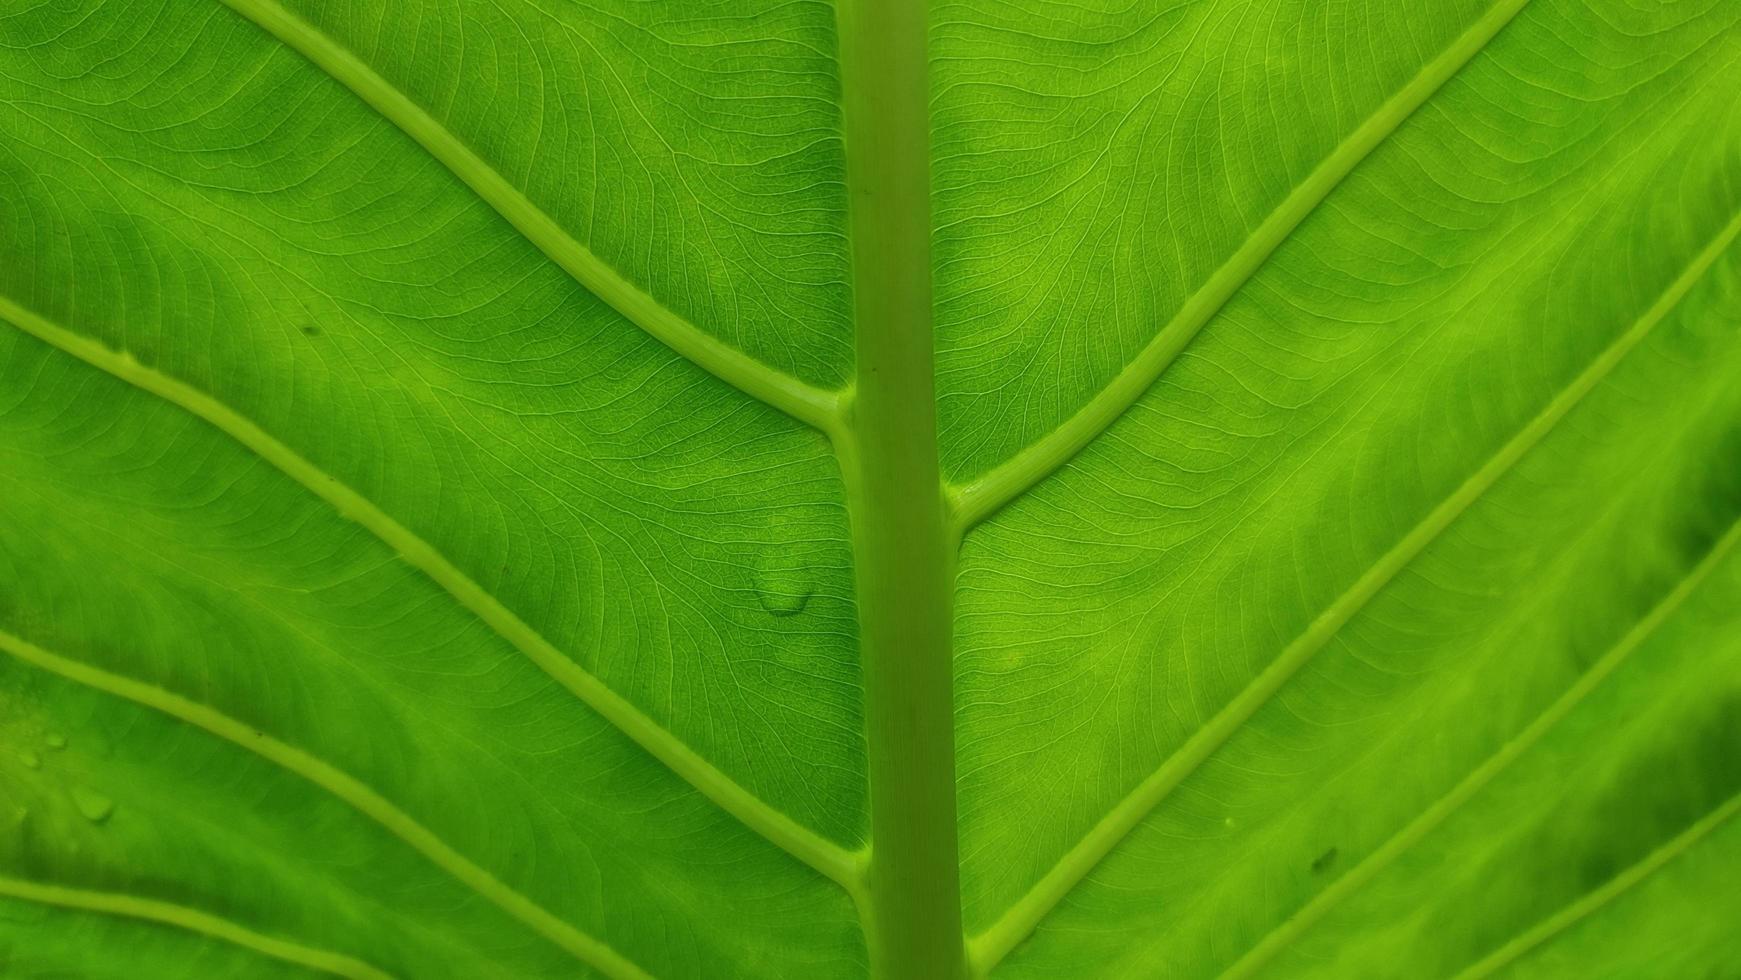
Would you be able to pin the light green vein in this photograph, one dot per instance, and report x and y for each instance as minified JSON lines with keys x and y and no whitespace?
{"x":1259,"y":955}
{"x":979,"y":498}
{"x":828,"y":858}
{"x":341,"y":785}
{"x":1614,"y":888}
{"x":192,"y":920}
{"x":992,"y":945}
{"x":802,"y":401}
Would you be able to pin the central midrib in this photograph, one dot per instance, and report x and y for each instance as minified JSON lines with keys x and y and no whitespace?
{"x":904,"y":550}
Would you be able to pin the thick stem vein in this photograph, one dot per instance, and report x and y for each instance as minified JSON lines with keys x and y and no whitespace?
{"x":888,"y":452}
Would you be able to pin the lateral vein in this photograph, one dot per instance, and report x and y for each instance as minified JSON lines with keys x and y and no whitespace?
{"x":992,"y":945}
{"x":825,"y":856}
{"x":343,"y":786}
{"x":1608,"y":892}
{"x":979,"y":498}
{"x":191,"y":920}
{"x":1436,"y":814}
{"x":796,"y":398}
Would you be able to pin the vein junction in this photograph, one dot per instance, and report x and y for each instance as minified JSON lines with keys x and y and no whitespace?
{"x":832,"y":412}
{"x":977,"y":499}
{"x":806,"y":845}
{"x":802,"y":401}
{"x":992,"y":945}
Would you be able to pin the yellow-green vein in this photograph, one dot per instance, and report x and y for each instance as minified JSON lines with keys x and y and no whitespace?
{"x":341,"y":785}
{"x":192,"y":920}
{"x":1266,"y":949}
{"x":992,"y":945}
{"x":825,"y":856}
{"x":977,"y":499}
{"x":802,"y":401}
{"x":1614,"y":888}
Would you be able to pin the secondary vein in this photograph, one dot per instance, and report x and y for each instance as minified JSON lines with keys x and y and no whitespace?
{"x":343,"y":786}
{"x":992,"y":945}
{"x":191,"y":920}
{"x":979,"y":498}
{"x":825,"y":856}
{"x":1613,"y":889}
{"x":796,"y":398}
{"x":1436,"y":814}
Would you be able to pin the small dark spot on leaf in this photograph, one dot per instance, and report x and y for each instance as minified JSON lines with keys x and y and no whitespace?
{"x":1324,"y":861}
{"x":310,"y":330}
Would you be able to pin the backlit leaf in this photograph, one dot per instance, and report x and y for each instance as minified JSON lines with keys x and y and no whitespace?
{"x":1038,"y":488}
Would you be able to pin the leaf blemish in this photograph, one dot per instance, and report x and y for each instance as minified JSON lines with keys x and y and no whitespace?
{"x":1322,"y":862}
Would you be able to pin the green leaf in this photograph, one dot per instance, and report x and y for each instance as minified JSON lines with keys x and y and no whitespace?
{"x":870,"y":489}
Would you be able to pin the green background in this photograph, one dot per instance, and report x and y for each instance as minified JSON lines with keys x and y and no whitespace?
{"x":366,"y":569}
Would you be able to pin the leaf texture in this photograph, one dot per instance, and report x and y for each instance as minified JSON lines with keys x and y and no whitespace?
{"x":465,"y":511}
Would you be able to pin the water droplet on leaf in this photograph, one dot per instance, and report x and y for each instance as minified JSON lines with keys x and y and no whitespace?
{"x":783,"y":584}
{"x":30,"y":759}
{"x":780,"y":596}
{"x":93,"y":806}
{"x":788,"y":554}
{"x":55,"y":740}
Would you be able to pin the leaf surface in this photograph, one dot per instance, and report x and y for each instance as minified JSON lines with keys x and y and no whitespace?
{"x":471,"y":503}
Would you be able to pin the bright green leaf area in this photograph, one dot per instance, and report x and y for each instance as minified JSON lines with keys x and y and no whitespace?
{"x":780,"y":488}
